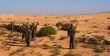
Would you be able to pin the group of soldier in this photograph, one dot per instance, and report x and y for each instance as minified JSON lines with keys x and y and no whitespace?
{"x":28,"y":32}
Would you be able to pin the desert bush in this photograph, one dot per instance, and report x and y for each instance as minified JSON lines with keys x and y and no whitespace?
{"x":51,"y":38}
{"x":45,"y":46}
{"x":59,"y":24}
{"x":55,"y":52}
{"x":88,"y":46}
{"x":106,"y":42}
{"x":10,"y":26}
{"x":46,"y":24}
{"x":82,"y":39}
{"x":66,"y":27}
{"x":99,"y":37}
{"x":93,"y":41}
{"x":99,"y":50}
{"x":57,"y":46}
{"x":3,"y":26}
{"x":46,"y":31}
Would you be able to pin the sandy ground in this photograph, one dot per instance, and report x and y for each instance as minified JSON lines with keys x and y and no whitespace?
{"x":89,"y":24}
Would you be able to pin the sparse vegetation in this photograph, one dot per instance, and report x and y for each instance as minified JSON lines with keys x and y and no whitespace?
{"x":88,"y":46}
{"x":62,"y":38}
{"x":57,"y":46}
{"x":46,"y":24}
{"x":106,"y":42}
{"x":66,"y":27}
{"x":99,"y":37}
{"x":45,"y":46}
{"x":97,"y":43}
{"x":93,"y":41}
{"x":51,"y":38}
{"x":55,"y":52}
{"x":82,"y":39}
{"x":46,"y":31}
{"x":10,"y":26}
{"x":38,"y":54}
{"x":71,"y":54}
{"x":59,"y":25}
{"x":42,"y":41}
{"x":99,"y":50}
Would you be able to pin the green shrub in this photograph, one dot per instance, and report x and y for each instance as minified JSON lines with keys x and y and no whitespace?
{"x":46,"y":31}
{"x":82,"y":39}
{"x":93,"y":41}
{"x":66,"y":27}
{"x":99,"y":50}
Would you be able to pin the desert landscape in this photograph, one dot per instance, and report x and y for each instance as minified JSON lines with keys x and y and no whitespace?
{"x":90,"y":26}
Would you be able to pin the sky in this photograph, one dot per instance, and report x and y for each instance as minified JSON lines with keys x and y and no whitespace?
{"x":54,"y":6}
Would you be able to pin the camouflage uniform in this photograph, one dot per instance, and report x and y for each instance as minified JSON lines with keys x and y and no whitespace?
{"x":71,"y":34}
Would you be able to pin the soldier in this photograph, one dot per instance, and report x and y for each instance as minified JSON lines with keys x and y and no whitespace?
{"x":27,"y":36}
{"x":23,"y":30}
{"x":71,"y":35}
{"x":33,"y":30}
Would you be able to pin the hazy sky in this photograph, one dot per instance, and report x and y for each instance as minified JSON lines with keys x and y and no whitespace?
{"x":54,"y":6}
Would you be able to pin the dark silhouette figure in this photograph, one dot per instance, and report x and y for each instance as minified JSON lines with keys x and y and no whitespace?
{"x":23,"y":30}
{"x":71,"y":33}
{"x":33,"y":28}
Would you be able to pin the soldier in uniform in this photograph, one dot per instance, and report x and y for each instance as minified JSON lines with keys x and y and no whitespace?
{"x":33,"y":28}
{"x":71,"y":33}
